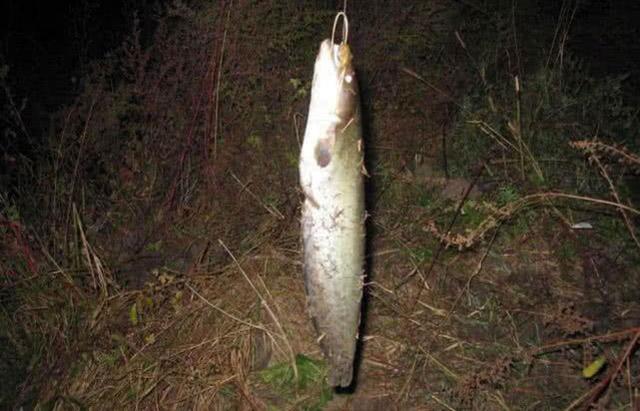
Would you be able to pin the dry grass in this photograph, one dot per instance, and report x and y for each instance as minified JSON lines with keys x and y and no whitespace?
{"x":508,"y":323}
{"x":194,"y":339}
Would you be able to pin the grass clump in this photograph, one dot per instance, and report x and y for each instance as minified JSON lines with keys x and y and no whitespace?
{"x":309,"y":383}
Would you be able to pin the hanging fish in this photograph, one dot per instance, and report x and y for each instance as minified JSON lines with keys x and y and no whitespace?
{"x":333,"y":213}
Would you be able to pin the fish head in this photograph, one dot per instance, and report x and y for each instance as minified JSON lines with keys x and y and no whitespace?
{"x":333,"y":107}
{"x":334,"y":82}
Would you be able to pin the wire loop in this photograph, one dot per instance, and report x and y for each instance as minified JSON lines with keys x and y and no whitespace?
{"x":345,"y":28}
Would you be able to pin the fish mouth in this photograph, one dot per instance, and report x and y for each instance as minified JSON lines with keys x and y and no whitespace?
{"x":335,"y":59}
{"x":335,"y":81}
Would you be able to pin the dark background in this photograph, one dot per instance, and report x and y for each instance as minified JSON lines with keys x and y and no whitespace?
{"x":48,"y":45}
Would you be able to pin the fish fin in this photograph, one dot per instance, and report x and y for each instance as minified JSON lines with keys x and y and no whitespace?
{"x":312,"y":201}
{"x":364,"y":170}
{"x":345,"y":127}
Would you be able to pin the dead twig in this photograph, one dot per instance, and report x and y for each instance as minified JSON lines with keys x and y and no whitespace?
{"x":473,"y":275}
{"x":590,"y":149}
{"x":596,"y":391}
{"x":615,"y":336}
{"x":228,"y":314}
{"x":508,"y":211}
{"x":620,"y":153}
{"x":219,"y":75}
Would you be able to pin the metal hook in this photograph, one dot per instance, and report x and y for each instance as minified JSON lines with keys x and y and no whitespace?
{"x":345,"y":28}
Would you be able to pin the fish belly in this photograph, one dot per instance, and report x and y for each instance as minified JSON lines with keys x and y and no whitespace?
{"x":333,"y":236}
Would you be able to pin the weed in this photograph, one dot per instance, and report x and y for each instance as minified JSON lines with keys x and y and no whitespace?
{"x":506,"y":194}
{"x":527,"y":122}
{"x":426,"y":199}
{"x":567,"y":251}
{"x":422,"y":254}
{"x":311,"y":374}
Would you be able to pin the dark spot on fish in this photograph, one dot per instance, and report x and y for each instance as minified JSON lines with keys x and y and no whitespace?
{"x":323,"y":152}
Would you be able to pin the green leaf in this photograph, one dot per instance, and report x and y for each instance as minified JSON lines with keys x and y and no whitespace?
{"x":594,"y":368}
{"x":133,"y":314}
{"x":154,"y":247}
